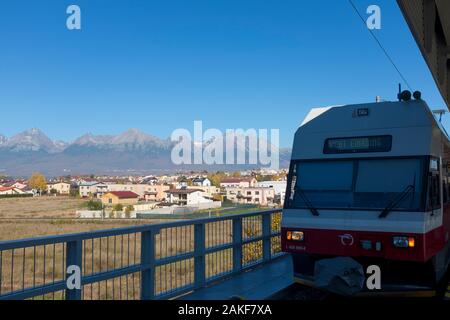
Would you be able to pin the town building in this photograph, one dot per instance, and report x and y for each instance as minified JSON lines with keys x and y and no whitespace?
{"x":258,"y":196}
{"x":120,"y":197}
{"x":208,"y":192}
{"x":182,"y":183}
{"x":279,"y":188}
{"x":145,"y":191}
{"x":186,"y":197}
{"x":201,"y":182}
{"x":20,"y":184}
{"x":92,"y":189}
{"x":62,"y":188}
{"x":6,"y":191}
{"x":245,"y":182}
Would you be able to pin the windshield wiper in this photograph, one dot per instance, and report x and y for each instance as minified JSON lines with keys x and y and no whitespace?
{"x":307,"y":202}
{"x":396,"y":201}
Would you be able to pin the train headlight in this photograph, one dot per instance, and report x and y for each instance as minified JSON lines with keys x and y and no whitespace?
{"x":295,"y":235}
{"x":404,"y":242}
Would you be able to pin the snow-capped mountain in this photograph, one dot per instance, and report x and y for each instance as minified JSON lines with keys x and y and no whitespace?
{"x":130,"y":140}
{"x":130,"y":151}
{"x":31,"y":140}
{"x":3,"y":140}
{"x":90,"y":140}
{"x":135,"y":138}
{"x":60,"y":145}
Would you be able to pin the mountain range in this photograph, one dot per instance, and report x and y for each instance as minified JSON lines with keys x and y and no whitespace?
{"x":132,"y":151}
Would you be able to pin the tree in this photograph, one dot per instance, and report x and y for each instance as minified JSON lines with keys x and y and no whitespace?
{"x":74,"y":192}
{"x":261,"y":178}
{"x":128,"y":210}
{"x":37,"y":181}
{"x":216,"y":178}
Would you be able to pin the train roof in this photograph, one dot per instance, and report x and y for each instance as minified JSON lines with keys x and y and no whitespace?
{"x":407,"y":121}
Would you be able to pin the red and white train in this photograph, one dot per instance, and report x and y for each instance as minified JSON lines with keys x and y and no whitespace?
{"x":371,"y":182}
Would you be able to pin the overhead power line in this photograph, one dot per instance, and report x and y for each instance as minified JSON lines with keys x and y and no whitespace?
{"x":386,"y":53}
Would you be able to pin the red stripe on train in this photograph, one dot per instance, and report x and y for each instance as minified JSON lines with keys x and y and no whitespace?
{"x":348,"y":243}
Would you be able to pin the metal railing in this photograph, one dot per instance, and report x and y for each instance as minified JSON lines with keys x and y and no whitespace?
{"x":159,"y":261}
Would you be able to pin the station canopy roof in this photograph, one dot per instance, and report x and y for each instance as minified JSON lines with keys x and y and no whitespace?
{"x":429,"y":21}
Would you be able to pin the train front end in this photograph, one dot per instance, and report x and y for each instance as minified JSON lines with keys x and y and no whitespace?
{"x":369,"y":183}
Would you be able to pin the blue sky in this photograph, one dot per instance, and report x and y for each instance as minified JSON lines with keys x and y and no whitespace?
{"x":160,"y":65}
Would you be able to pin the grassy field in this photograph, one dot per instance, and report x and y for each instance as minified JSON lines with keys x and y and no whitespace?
{"x":24,"y":218}
{"x":44,"y":264}
{"x":40,"y":207}
{"x":18,"y":229}
{"x":32,"y":217}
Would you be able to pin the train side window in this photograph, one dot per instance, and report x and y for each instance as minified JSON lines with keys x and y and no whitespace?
{"x":444,"y":192}
{"x":448,"y":191}
{"x":434,"y":200}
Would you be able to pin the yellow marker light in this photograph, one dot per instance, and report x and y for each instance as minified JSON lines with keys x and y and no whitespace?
{"x":411,"y":242}
{"x":404,"y":242}
{"x":289,"y":235}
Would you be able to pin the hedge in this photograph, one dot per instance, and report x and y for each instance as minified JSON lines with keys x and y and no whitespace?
{"x":20,"y":195}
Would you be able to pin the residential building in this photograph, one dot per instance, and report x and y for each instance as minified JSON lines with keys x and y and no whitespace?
{"x":201,"y":182}
{"x":246,"y":182}
{"x":92,"y":189}
{"x":259,"y":196}
{"x":231,"y":194}
{"x":60,"y":187}
{"x":10,"y":191}
{"x":120,"y":197}
{"x":156,"y":192}
{"x":149,"y":180}
{"x":145,"y":191}
{"x":208,"y":192}
{"x":183,"y":183}
{"x":20,"y":184}
{"x":186,"y":197}
{"x":278,"y":186}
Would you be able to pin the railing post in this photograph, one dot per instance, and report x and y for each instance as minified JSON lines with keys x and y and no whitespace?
{"x":237,"y":244}
{"x":74,"y":257}
{"x":199,"y":253}
{"x":148,"y":265}
{"x":267,"y":233}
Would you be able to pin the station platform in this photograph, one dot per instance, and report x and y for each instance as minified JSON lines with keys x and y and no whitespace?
{"x":256,"y":284}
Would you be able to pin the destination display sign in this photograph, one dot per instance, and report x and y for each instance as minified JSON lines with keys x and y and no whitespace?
{"x":358,"y":145}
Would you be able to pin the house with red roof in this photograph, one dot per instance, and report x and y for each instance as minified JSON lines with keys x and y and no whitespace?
{"x":120,"y":197}
{"x":5,"y":191}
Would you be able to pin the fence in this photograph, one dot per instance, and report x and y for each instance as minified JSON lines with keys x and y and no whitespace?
{"x":159,"y":261}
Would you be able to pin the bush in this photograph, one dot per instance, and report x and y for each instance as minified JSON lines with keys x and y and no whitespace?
{"x":118,"y":207}
{"x":94,"y":205}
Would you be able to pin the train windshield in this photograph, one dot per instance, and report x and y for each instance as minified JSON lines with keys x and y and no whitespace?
{"x":357,"y":184}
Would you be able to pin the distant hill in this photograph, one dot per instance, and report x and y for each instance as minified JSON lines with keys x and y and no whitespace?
{"x":132,"y":151}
